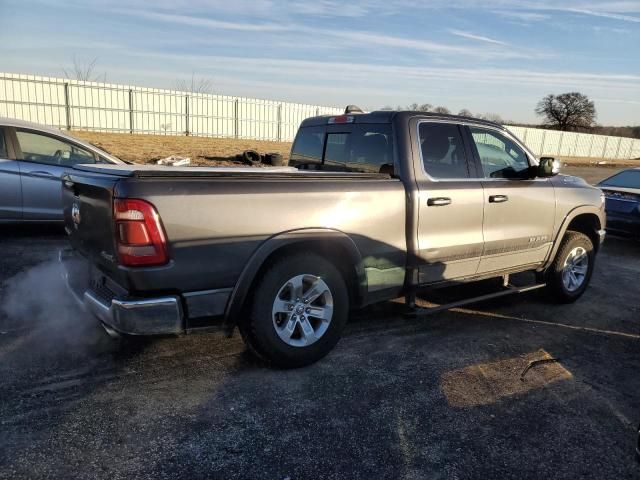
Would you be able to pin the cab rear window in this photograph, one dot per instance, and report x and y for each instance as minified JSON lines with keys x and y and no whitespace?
{"x":365,"y":148}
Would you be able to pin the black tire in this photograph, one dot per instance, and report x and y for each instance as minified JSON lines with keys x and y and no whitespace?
{"x":257,"y":327}
{"x":275,"y":159}
{"x":555,"y":285}
{"x":251,"y":157}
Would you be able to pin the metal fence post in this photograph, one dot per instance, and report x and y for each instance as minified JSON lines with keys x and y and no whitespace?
{"x":575,"y":145}
{"x":186,"y":115}
{"x":560,"y":144}
{"x":604,"y":150}
{"x":67,"y":107}
{"x":317,"y":112}
{"x":130,"y":111}
{"x":235,"y":119}
{"x":280,"y":122}
{"x":544,"y":136}
{"x":618,"y":149}
{"x":591,"y":145}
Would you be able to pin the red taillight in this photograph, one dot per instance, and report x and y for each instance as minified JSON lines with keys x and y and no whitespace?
{"x":139,"y":235}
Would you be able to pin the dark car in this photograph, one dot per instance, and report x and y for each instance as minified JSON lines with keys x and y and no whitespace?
{"x":622,"y":194}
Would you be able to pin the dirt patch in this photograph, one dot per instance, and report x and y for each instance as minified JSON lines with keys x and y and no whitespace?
{"x":201,"y":150}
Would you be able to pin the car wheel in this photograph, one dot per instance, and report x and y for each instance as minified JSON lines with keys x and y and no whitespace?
{"x":570,"y":272}
{"x":297,"y":312}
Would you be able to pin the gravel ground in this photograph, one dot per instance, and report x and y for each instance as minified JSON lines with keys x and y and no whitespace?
{"x":438,"y":398}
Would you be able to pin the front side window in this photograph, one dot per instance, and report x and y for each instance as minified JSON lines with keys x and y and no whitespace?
{"x":500,"y":157}
{"x":45,"y":149}
{"x":443,"y":151}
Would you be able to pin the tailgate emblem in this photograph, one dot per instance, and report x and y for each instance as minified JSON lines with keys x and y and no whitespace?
{"x":75,"y":214}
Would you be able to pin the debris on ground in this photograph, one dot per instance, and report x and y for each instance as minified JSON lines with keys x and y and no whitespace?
{"x":174,"y":161}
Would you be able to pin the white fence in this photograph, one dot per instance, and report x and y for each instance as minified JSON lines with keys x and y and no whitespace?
{"x":571,"y":144}
{"x":105,"y":107}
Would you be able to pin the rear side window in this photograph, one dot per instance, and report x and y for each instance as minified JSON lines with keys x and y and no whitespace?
{"x":3,"y":145}
{"x":443,"y":151}
{"x":308,"y":146}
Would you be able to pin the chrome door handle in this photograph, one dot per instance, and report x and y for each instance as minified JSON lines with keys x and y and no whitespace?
{"x":438,"y":202}
{"x":498,"y":198}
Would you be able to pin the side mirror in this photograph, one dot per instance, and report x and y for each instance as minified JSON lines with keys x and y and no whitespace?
{"x":548,"y":167}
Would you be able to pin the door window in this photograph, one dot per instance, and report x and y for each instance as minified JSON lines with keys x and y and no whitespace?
{"x":46,"y":149}
{"x":500,"y":157}
{"x":443,"y":151}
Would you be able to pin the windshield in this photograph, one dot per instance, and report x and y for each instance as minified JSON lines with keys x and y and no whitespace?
{"x":625,"y":179}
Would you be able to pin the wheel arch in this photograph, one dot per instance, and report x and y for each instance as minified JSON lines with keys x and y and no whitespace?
{"x":584,"y":219}
{"x":335,"y":245}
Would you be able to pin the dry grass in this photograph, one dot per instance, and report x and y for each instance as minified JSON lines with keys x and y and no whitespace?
{"x":588,"y":161}
{"x":201,"y":150}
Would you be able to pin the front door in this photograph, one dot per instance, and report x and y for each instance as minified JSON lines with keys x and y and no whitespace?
{"x":44,"y":158}
{"x":10,"y":194}
{"x":519,"y":211}
{"x":450,"y":204}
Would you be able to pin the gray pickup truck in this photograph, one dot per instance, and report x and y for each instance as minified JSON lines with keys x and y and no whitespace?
{"x":372,"y":206}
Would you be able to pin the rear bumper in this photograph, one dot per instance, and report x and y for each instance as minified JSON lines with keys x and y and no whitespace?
{"x":148,"y":316}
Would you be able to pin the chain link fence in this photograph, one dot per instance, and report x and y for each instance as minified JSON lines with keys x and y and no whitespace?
{"x":104,"y":107}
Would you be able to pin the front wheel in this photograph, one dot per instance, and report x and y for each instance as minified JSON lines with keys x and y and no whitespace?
{"x":298,"y":310}
{"x":571,"y":270}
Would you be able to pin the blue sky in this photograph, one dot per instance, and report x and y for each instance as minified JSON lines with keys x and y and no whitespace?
{"x":498,"y":56}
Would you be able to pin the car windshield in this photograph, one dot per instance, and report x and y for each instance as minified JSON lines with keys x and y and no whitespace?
{"x":625,"y":179}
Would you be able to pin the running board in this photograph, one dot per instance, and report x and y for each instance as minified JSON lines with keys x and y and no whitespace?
{"x":508,"y":290}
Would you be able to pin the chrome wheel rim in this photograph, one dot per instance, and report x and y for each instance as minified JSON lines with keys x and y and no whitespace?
{"x":302,"y":310}
{"x":574,"y":271}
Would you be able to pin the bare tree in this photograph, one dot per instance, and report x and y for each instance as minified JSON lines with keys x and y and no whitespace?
{"x":568,"y":111}
{"x":194,"y":85}
{"x":465,"y":113}
{"x":443,"y":110}
{"x":84,"y":71}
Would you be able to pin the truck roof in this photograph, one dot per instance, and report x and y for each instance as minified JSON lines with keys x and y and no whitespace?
{"x":388,"y":116}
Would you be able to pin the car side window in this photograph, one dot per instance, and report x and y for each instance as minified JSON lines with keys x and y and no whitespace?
{"x":442,"y":150}
{"x":48,"y":150}
{"x":3,"y":145}
{"x":500,"y":157}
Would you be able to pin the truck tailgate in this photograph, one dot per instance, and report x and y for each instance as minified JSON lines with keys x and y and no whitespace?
{"x":88,"y":212}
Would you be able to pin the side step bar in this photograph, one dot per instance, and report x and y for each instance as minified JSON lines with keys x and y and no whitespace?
{"x":415,"y":312}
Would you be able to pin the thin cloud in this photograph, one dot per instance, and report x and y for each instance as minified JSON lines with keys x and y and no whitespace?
{"x":613,"y":16}
{"x":472,"y":36}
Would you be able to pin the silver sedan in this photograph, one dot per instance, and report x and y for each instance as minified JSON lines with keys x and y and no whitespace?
{"x":32,"y":160}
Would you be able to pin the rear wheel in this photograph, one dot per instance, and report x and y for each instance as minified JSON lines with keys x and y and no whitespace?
{"x":571,"y":270}
{"x":298,"y":310}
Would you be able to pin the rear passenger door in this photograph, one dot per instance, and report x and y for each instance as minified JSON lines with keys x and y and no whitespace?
{"x":519,"y":210}
{"x":450,"y":202}
{"x":10,"y":189}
